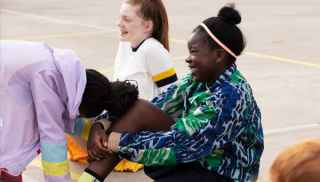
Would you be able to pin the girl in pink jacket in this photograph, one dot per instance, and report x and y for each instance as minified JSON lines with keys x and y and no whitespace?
{"x":41,"y":90}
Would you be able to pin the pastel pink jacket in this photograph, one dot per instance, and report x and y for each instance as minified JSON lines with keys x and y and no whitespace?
{"x":40,"y":92}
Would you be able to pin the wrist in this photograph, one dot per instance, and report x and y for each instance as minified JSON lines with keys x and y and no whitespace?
{"x":97,"y":125}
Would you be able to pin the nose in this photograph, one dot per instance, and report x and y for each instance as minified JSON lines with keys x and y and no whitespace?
{"x":119,"y":22}
{"x":188,"y":59}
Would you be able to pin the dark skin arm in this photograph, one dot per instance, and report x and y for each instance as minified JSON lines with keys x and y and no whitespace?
{"x":142,"y":116}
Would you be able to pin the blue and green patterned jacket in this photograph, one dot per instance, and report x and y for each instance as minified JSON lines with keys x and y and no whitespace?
{"x":217,"y":125}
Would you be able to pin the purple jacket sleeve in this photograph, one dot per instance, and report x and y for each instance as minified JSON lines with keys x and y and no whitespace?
{"x":49,"y":106}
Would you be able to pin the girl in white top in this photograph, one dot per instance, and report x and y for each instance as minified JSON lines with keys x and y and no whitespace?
{"x":143,"y":50}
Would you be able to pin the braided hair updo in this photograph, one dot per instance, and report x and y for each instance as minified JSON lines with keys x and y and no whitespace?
{"x":224,"y":27}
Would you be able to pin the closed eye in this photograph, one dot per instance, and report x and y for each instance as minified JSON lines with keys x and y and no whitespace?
{"x":193,"y":51}
{"x":126,"y":18}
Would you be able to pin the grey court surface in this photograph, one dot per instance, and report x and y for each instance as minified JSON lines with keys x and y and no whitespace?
{"x":282,"y":58}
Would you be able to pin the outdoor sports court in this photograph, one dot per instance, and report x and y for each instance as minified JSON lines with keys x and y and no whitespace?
{"x":281,"y":61}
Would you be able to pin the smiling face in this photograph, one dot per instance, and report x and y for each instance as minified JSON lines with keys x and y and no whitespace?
{"x":202,"y":60}
{"x":133,"y":28}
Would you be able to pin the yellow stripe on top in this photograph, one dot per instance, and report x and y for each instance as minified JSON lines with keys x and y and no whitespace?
{"x":164,"y":74}
{"x":55,"y":169}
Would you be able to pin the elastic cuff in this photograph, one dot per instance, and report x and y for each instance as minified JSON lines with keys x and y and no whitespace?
{"x":90,"y":175}
{"x":104,"y":123}
{"x":113,"y":141}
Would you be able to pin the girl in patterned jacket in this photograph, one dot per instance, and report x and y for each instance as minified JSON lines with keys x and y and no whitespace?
{"x":217,"y":134}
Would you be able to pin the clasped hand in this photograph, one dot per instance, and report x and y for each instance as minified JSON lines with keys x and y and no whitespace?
{"x":97,"y":145}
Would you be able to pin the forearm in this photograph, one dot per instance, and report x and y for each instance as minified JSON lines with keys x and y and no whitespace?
{"x":150,"y":149}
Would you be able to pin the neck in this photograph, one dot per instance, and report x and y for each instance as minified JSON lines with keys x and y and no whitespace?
{"x":219,"y":72}
{"x":136,"y":43}
{"x":134,"y":49}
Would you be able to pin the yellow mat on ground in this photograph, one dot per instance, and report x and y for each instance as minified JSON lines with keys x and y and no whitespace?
{"x":127,"y":166}
{"x":79,"y":154}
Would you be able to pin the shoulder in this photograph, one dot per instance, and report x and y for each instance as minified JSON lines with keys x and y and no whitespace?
{"x":231,"y":93}
{"x":236,"y":83}
{"x":153,"y":47}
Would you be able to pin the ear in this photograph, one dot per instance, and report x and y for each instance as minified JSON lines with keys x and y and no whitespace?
{"x":220,"y":55}
{"x":148,"y":26}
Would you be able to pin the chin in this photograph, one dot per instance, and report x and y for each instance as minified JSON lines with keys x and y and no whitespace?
{"x":195,"y":78}
{"x":123,"y":38}
{"x":194,"y":74}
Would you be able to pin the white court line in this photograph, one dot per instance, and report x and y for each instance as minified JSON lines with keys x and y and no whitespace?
{"x":291,"y":129}
{"x":54,"y":20}
{"x":62,"y":35}
{"x":281,"y":59}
